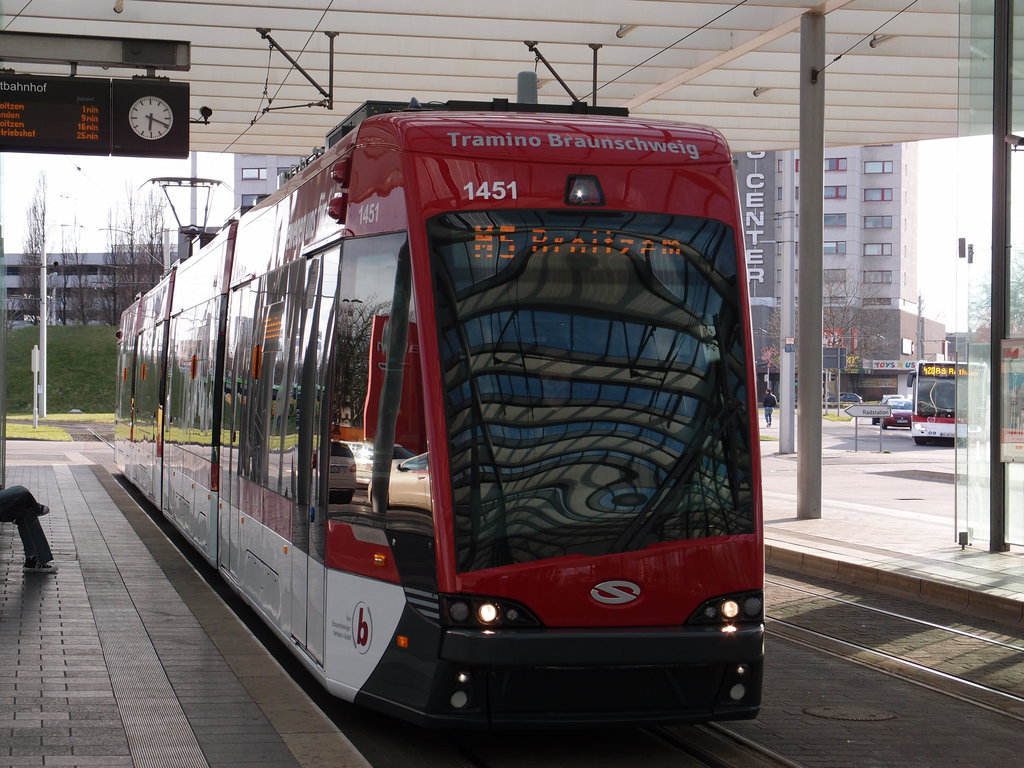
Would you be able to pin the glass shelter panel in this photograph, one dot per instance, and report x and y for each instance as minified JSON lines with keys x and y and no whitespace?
{"x":975,"y":215}
{"x":1015,"y":321}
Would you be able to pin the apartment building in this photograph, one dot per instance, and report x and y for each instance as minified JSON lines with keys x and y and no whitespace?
{"x":256,"y":176}
{"x":870,"y":302}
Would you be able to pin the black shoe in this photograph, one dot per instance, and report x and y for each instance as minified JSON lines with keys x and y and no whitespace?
{"x":32,"y":565}
{"x":41,"y":568}
{"x":43,"y":510}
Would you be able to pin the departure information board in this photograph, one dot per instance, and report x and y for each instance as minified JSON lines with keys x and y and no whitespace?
{"x":54,"y":114}
{"x":141,"y":117}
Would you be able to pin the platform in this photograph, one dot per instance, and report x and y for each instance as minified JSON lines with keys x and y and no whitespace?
{"x":887,"y":521}
{"x":126,"y":658}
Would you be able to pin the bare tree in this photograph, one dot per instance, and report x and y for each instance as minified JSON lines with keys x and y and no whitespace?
{"x":980,"y":302}
{"x":846,"y":321}
{"x":28,"y":304}
{"x":135,"y":252}
{"x":79,"y":296}
{"x":71,"y":299}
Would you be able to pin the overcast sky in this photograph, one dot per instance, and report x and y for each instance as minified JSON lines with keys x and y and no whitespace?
{"x":82,"y":190}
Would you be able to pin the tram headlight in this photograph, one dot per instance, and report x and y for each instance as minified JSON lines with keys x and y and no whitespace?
{"x":583,"y":190}
{"x":753,"y":608}
{"x":729,"y":609}
{"x":739,"y":684}
{"x":462,"y":694}
{"x":487,"y":613}
{"x":458,"y":611}
{"x":492,"y":613}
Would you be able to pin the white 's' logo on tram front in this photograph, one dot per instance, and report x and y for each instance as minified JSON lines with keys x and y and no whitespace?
{"x":615,"y":592}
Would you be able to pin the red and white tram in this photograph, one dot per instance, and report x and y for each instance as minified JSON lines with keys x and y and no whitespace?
{"x":549,"y":311}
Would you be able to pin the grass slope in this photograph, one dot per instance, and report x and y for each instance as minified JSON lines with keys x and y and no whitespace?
{"x":81,"y":368}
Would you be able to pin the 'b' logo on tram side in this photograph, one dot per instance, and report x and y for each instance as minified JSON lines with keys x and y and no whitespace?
{"x":362,"y":627}
{"x":615,"y":592}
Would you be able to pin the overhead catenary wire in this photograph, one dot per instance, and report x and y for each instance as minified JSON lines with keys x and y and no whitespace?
{"x":689,"y":34}
{"x":270,"y":99}
{"x":14,"y":18}
{"x":870,"y":34}
{"x":706,"y":24}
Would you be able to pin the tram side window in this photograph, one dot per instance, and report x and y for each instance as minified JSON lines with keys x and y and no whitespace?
{"x":268,"y":450}
{"x":175,"y":386}
{"x":125,"y":383}
{"x":365,"y":406}
{"x":197,"y":372}
{"x":147,"y":387}
{"x":238,"y":383}
{"x":190,"y":403}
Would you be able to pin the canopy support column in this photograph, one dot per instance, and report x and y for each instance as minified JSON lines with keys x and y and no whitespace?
{"x":809,"y":323}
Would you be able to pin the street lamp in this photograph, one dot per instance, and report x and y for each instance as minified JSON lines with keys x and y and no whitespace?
{"x":196,"y":226}
{"x":39,"y":365}
{"x":786,"y":222}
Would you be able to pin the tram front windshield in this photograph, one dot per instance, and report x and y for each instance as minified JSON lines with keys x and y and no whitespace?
{"x":594,"y":382}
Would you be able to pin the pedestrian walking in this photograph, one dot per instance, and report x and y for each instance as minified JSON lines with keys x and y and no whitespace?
{"x":19,"y":506}
{"x":769,"y":403}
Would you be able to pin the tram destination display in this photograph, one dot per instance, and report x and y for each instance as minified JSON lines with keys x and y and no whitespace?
{"x":54,"y":114}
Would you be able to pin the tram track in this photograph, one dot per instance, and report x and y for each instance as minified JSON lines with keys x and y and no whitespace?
{"x":983,"y":667}
{"x":977,"y":663}
{"x":718,"y":747}
{"x":389,"y":743}
{"x":685,"y":746}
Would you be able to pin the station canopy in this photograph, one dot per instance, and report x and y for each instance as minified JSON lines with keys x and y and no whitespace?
{"x":730,"y":64}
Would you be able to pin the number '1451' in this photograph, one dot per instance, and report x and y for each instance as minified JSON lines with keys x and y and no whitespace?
{"x":491,"y":190}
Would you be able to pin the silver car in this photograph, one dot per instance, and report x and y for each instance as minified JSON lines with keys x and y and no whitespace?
{"x":341,"y":482}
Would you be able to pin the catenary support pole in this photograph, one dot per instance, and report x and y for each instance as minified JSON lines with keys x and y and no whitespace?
{"x":809,"y":324}
{"x":1002,"y":63}
{"x":43,"y":320}
{"x":787,"y":360}
{"x":3,"y":358}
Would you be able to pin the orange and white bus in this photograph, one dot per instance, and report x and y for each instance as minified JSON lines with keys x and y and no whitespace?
{"x":934,"y":397}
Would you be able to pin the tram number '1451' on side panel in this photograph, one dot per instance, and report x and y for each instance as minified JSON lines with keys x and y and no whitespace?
{"x":369,"y":213}
{"x":491,"y":190}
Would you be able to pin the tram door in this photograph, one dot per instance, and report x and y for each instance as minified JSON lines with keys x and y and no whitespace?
{"x":309,"y":573}
{"x":235,"y":414}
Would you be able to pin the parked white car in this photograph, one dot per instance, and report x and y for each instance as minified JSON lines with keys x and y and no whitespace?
{"x":363,"y":453}
{"x":341,"y":481}
{"x":410,"y":483}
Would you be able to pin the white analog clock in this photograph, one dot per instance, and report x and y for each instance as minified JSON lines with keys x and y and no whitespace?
{"x":151,"y":117}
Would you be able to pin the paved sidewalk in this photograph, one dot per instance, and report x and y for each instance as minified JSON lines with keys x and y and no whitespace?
{"x":125,"y":657}
{"x":888,"y":520}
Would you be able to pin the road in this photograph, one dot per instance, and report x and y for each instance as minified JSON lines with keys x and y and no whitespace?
{"x":862,"y":436}
{"x":895,"y":503}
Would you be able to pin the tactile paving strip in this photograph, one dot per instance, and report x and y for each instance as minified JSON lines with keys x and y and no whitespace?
{"x":115,"y":567}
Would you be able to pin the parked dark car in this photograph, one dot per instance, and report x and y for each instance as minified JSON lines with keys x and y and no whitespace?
{"x":845,"y":397}
{"x":902,"y":410}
